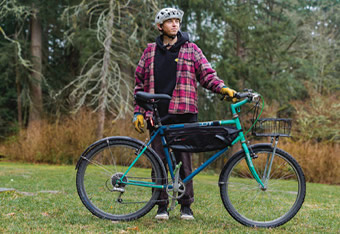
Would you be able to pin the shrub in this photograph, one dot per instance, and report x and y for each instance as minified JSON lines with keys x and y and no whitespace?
{"x":318,"y":119}
{"x":61,"y":142}
{"x":320,"y":161}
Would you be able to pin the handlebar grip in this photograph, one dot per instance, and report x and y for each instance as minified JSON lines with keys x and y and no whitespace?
{"x":237,"y":95}
{"x":241,"y":95}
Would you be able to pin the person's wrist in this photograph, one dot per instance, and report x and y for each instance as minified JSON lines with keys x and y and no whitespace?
{"x":135,"y":116}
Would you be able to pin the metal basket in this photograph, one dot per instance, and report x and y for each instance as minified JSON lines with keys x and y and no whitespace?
{"x":273,"y":127}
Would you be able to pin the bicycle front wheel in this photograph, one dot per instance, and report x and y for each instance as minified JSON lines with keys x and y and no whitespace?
{"x":101,"y":172}
{"x":250,"y":204}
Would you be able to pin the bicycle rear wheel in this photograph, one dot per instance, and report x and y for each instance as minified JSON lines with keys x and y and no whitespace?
{"x":251,"y":205}
{"x":99,"y":173}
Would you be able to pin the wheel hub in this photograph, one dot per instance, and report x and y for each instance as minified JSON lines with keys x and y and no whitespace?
{"x":116,"y":182}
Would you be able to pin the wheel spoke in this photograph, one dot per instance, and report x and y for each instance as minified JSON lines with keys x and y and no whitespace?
{"x":113,"y":159}
{"x":98,"y":165}
{"x":252,"y":205}
{"x":98,"y":185}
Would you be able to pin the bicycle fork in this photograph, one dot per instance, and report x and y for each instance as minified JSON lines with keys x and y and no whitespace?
{"x":269,"y":162}
{"x":251,"y":165}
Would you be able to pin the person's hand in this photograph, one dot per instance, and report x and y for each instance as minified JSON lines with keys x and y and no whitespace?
{"x":138,"y":122}
{"x":229,"y":92}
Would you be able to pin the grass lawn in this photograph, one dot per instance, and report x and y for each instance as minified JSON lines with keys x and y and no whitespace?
{"x":45,"y":200}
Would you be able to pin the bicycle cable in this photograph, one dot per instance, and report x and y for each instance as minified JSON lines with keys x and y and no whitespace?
{"x":255,"y":113}
{"x":258,"y":116}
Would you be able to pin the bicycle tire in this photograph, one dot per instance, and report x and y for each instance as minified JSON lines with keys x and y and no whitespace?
{"x":251,"y":206}
{"x":103,"y":163}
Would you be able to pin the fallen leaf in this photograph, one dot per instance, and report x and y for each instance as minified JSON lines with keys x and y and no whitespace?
{"x":133,"y":228}
{"x":10,"y":214}
{"x":45,"y":214}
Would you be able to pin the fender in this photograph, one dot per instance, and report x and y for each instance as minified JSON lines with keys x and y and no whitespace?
{"x":114,"y":138}
{"x":251,"y":147}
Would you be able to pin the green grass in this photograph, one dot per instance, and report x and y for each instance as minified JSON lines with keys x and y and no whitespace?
{"x":62,"y":210}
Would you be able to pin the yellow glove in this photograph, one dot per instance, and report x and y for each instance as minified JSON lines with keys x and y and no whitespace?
{"x":229,"y":92}
{"x":138,"y":122}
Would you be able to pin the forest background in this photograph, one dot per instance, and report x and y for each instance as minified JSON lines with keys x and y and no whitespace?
{"x":67,"y":72}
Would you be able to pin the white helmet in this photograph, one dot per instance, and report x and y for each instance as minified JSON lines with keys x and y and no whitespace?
{"x":168,"y":13}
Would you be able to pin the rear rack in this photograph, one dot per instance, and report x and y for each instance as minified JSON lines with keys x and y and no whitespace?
{"x":273,"y":127}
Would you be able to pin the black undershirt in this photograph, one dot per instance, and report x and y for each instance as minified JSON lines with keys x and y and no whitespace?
{"x":165,"y":76}
{"x":165,"y":69}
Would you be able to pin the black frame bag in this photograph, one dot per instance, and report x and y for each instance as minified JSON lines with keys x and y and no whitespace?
{"x":200,"y":138}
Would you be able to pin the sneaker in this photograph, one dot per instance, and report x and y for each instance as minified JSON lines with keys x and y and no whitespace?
{"x":186,"y":213}
{"x":162,"y":213}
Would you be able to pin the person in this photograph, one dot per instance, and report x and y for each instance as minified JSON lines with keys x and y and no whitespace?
{"x":172,"y":65}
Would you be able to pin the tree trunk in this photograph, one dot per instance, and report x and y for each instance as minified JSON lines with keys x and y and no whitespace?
{"x":36,"y":107}
{"x":128,"y":75}
{"x":104,"y":73}
{"x":17,"y":84}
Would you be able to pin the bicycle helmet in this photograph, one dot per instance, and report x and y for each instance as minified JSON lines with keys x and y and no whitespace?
{"x":168,"y":13}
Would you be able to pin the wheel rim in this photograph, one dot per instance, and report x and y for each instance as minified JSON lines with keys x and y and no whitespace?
{"x":261,"y":207}
{"x":103,"y":194}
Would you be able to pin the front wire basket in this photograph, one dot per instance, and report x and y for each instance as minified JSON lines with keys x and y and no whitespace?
{"x":273,"y":127}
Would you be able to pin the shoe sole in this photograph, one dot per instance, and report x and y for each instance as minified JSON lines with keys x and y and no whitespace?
{"x":187,"y":217}
{"x":162,"y":217}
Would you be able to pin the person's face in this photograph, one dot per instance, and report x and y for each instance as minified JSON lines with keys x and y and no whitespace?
{"x":170,"y":27}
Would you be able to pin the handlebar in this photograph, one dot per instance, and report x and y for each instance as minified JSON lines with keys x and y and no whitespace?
{"x":248,"y":93}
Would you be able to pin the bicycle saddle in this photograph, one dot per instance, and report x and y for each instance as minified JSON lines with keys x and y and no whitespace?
{"x":146,"y":100}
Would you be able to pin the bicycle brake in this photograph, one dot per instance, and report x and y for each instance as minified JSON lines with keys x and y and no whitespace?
{"x":252,"y":154}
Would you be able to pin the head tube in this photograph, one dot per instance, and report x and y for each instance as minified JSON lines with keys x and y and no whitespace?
{"x":236,"y":105}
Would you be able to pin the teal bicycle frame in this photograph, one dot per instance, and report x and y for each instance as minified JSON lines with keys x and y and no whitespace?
{"x":160,"y":130}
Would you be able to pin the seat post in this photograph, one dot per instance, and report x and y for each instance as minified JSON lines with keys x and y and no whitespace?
{"x":158,"y":121}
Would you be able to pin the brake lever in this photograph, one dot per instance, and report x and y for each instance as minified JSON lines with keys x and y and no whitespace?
{"x":237,"y":95}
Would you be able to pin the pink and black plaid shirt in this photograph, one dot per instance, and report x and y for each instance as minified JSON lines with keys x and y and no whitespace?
{"x":192,"y":66}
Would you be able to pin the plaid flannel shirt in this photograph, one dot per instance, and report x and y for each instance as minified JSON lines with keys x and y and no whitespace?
{"x":192,"y":65}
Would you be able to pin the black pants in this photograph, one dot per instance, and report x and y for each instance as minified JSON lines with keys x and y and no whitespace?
{"x":184,"y":157}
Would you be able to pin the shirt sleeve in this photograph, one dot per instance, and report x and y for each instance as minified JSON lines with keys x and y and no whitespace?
{"x":205,"y":74}
{"x":139,"y":81}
